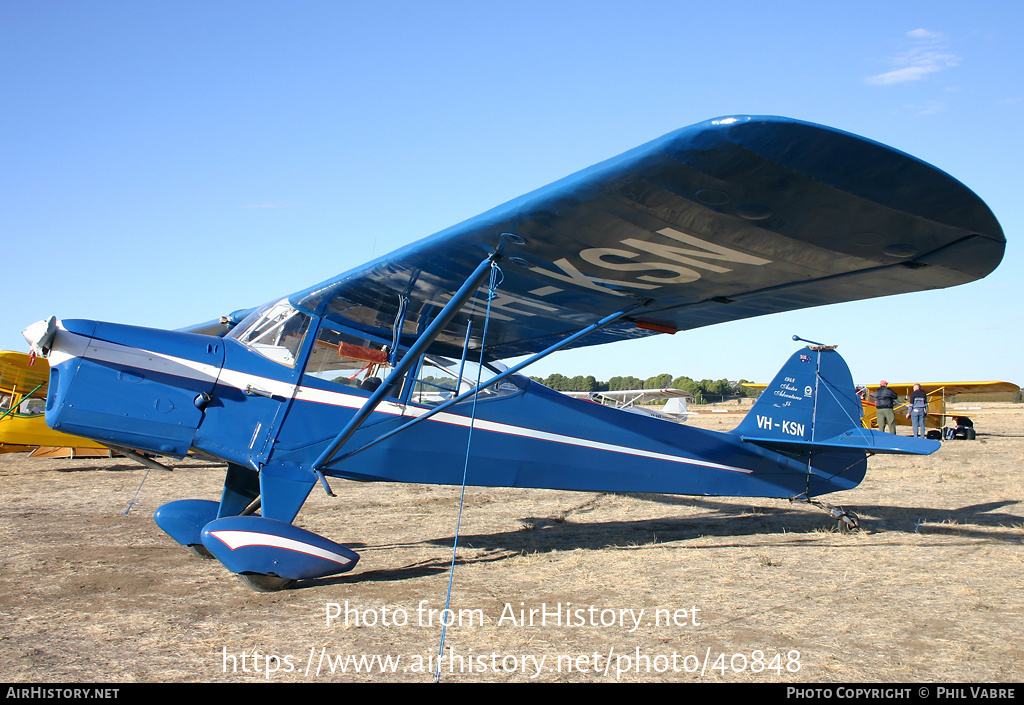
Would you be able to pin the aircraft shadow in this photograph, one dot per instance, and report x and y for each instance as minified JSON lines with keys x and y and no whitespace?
{"x":891,"y":518}
{"x":129,"y":465}
{"x":126,"y":467}
{"x":797,"y":522}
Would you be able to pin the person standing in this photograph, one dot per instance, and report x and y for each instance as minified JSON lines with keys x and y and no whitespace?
{"x":918,"y":402}
{"x":885,"y":402}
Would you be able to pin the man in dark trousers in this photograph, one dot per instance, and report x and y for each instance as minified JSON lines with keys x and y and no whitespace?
{"x":918,"y":411}
{"x":885,"y":401}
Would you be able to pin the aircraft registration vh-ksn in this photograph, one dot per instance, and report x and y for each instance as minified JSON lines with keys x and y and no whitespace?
{"x":389,"y":372}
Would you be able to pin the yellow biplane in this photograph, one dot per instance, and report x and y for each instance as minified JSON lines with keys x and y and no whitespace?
{"x":22,"y":405}
{"x":938,"y":393}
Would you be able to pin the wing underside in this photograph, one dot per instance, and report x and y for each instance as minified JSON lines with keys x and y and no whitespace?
{"x":951,"y":388}
{"x":18,"y":373}
{"x":724,"y":220}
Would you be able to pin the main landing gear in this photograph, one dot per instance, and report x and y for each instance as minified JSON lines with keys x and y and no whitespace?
{"x":267,"y":554}
{"x":258,"y":582}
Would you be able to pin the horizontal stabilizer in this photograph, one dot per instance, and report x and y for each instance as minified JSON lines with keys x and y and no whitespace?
{"x":866,"y":440}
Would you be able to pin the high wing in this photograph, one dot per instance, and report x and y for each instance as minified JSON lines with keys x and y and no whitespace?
{"x":727,"y":219}
{"x":949,"y":388}
{"x":931,"y":388}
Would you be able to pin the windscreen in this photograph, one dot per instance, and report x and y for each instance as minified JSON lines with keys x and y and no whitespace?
{"x":274,"y":330}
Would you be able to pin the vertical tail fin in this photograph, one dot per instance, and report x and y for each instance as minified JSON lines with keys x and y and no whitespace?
{"x":811,"y":405}
{"x":812,"y":398}
{"x":811,"y":411}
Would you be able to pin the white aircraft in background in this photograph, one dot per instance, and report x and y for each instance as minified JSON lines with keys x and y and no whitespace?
{"x":675,"y":408}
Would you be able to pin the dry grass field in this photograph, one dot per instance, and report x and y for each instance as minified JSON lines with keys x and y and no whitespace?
{"x":731,"y":590}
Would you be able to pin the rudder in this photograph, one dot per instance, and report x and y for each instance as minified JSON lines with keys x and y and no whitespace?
{"x":811,"y":399}
{"x":811,"y":411}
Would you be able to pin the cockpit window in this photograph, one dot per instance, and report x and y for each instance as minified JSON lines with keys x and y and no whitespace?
{"x":32,"y":406}
{"x":275,"y":331}
{"x":349,"y":360}
{"x":438,"y":381}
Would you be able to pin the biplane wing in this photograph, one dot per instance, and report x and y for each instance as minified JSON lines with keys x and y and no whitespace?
{"x":938,"y":394}
{"x":949,"y":389}
{"x":723,"y":220}
{"x":17,"y":373}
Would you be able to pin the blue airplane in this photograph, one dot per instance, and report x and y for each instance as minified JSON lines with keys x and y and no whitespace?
{"x":391,"y":371}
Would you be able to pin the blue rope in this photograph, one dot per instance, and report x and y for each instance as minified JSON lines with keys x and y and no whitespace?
{"x":492,"y":286}
{"x":135,"y":499}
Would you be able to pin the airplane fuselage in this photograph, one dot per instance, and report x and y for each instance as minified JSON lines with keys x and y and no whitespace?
{"x":169,"y":393}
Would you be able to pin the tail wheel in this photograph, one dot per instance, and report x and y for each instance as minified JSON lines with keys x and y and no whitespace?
{"x":847,"y":522}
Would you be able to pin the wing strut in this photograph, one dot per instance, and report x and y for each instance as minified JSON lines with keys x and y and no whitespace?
{"x":467,"y":290}
{"x":611,"y":318}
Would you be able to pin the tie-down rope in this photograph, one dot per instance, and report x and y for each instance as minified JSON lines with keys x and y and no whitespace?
{"x":495,"y":280}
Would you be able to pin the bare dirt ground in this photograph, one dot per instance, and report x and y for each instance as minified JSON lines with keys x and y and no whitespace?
{"x":732,"y":590}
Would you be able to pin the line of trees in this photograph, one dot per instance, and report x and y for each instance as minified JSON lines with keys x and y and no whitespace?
{"x":705,"y":389}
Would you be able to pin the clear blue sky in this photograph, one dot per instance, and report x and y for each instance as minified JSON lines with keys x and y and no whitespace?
{"x":163,"y":163}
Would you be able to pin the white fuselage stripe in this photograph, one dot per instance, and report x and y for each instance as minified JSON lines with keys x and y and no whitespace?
{"x":182,"y":367}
